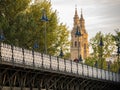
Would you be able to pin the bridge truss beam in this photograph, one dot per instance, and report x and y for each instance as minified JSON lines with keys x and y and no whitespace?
{"x":15,"y":77}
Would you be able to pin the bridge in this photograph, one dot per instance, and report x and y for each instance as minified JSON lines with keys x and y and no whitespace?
{"x":22,"y":69}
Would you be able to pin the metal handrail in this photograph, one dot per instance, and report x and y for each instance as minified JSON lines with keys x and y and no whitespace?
{"x":16,"y":55}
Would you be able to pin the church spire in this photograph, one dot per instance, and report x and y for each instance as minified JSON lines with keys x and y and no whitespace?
{"x":81,"y":15}
{"x":76,"y":10}
{"x":76,"y":14}
{"x":76,"y":17}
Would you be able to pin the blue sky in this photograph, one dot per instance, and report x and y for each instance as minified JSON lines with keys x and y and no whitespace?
{"x":99,"y":15}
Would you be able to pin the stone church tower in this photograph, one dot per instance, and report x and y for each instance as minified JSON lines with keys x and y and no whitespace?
{"x":79,"y":44}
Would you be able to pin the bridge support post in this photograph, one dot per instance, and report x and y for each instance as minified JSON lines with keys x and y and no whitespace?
{"x":22,"y":82}
{"x":46,"y":87}
{"x":12,"y":55}
{"x":21,"y":88}
{"x":11,"y":88}
{"x":31,"y":88}
{"x":1,"y":87}
{"x":77,"y":87}
{"x":0,"y":80}
{"x":38,"y":85}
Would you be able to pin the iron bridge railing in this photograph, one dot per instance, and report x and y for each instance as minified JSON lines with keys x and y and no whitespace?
{"x":16,"y":55}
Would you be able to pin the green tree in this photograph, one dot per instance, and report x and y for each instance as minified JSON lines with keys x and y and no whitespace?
{"x":62,"y":38}
{"x":57,"y":34}
{"x":90,"y":61}
{"x":106,"y":50}
{"x":22,"y":25}
{"x":67,"y":56}
{"x":9,"y":11}
{"x":116,"y":65}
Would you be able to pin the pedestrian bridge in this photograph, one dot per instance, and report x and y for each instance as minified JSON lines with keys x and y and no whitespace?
{"x":47,"y":72}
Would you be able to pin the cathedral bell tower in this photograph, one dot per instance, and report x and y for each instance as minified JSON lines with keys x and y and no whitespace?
{"x":79,"y":44}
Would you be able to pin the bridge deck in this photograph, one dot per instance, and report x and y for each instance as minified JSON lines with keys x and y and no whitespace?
{"x":22,"y":58}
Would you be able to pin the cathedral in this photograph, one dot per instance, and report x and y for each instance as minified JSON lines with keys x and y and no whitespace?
{"x":79,"y":43}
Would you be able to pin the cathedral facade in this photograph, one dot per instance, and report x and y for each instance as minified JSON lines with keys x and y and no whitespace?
{"x":79,"y":43}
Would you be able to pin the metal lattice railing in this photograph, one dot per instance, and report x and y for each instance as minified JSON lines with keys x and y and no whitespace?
{"x":16,"y":55}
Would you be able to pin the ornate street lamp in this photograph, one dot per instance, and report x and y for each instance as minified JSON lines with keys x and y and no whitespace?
{"x":78,"y":34}
{"x":96,"y":64}
{"x":109,"y":65}
{"x":2,"y":38}
{"x":44,"y":19}
{"x":101,"y":51}
{"x":35,"y":45}
{"x":61,"y":53}
{"x":80,"y":58}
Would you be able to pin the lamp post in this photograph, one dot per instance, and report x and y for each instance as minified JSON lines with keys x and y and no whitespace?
{"x":61,"y":53}
{"x":78,"y":34}
{"x":109,"y":65}
{"x":96,"y":64}
{"x":101,"y":51}
{"x":118,"y":52}
{"x":35,"y":45}
{"x":44,"y":19}
{"x":80,"y":58}
{"x":1,"y":36}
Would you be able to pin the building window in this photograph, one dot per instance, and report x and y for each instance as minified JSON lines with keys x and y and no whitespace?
{"x":75,"y":44}
{"x":75,"y":36}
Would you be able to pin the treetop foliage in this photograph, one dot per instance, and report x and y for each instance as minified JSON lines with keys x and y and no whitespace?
{"x":21,"y":23}
{"x":100,"y":54}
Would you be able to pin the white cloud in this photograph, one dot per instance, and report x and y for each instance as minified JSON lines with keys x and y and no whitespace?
{"x":100,"y":15}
